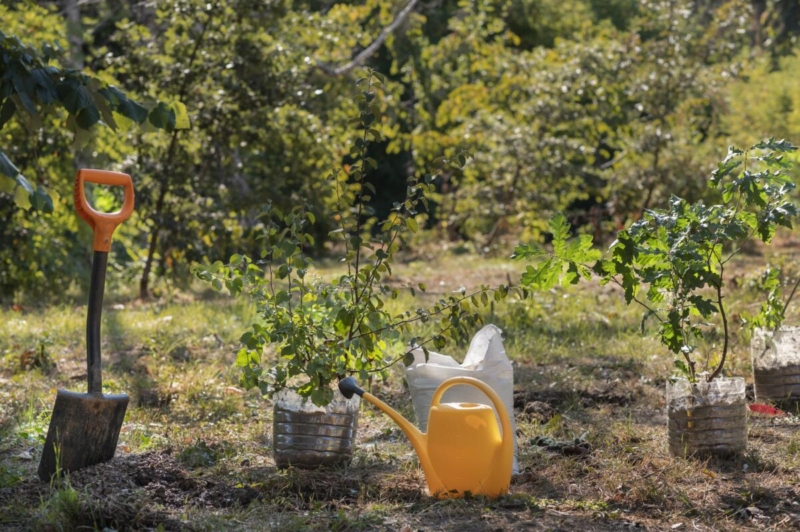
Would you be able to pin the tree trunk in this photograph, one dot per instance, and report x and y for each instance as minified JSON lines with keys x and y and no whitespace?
{"x":72,"y":13}
{"x":144,"y":282}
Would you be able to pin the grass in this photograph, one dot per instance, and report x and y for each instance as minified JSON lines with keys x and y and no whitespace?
{"x":194,"y":452}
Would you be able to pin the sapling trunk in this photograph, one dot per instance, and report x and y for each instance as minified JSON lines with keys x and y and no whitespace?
{"x":789,"y":299}
{"x":724,"y":328}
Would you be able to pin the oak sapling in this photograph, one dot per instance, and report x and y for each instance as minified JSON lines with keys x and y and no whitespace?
{"x":672,"y":263}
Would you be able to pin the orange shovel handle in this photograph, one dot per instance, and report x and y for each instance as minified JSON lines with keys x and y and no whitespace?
{"x":103,"y":224}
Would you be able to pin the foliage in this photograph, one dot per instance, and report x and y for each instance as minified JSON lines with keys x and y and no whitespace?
{"x":772,"y":311}
{"x":43,"y":249}
{"x":596,"y":108}
{"x":600,"y":123}
{"x":260,"y":130}
{"x":29,"y":83}
{"x":323,"y":329}
{"x":680,"y":253}
{"x":566,"y":265}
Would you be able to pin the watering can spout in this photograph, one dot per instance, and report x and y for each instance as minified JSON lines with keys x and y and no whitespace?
{"x":419,"y":440}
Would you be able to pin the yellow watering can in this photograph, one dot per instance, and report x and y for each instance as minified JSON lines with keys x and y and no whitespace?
{"x":463,"y":450}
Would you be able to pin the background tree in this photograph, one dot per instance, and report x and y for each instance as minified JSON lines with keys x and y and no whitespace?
{"x":595,"y":108}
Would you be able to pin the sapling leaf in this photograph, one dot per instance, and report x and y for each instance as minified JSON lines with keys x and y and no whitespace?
{"x":630,"y":284}
{"x":682,"y":367}
{"x":544,"y":277}
{"x":623,"y":250}
{"x":704,"y":306}
{"x":527,"y":251}
{"x":559,"y":226}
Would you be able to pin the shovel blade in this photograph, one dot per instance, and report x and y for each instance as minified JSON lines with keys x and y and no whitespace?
{"x":83,"y":431}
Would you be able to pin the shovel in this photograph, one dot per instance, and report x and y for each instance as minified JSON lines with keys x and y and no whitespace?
{"x":85,"y":426}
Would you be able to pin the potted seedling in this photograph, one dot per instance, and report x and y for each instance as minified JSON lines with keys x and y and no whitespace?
{"x":313,"y":331}
{"x":774,"y":347}
{"x":672,"y":263}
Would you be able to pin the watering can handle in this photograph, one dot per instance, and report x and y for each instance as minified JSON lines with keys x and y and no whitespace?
{"x":103,"y":224}
{"x":486,"y":389}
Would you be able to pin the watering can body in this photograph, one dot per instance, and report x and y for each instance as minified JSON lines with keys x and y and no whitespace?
{"x":464,"y":450}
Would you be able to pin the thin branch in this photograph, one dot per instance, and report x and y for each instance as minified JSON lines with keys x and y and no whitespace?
{"x":614,"y":161}
{"x":789,"y":299}
{"x":410,"y":350}
{"x":639,"y":301}
{"x":357,"y":244}
{"x":341,"y":220}
{"x":718,"y":286}
{"x":359,"y":59}
{"x":419,"y":317}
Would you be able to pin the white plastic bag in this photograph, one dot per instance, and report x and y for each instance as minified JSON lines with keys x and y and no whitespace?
{"x":486,"y":361}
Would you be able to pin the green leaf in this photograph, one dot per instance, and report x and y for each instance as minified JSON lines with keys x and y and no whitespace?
{"x":8,"y":110}
{"x":45,"y":88}
{"x":41,"y":201}
{"x":580,"y":250}
{"x":527,"y":251}
{"x":559,"y":226}
{"x":7,"y":167}
{"x":704,"y":306}
{"x":73,"y":96}
{"x":22,"y":198}
{"x":631,"y":286}
{"x":623,"y":249}
{"x":7,"y":184}
{"x":181,"y":115}
{"x":544,"y":277}
{"x":242,"y":360}
{"x":88,"y":117}
{"x":22,"y":182}
{"x":727,"y":166}
{"x":163,"y":117}
{"x":682,"y":367}
{"x":439,"y":341}
{"x":411,"y":223}
{"x":775,"y":145}
{"x":121,"y":104}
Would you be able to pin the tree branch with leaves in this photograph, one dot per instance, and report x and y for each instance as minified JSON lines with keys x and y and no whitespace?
{"x":31,"y":83}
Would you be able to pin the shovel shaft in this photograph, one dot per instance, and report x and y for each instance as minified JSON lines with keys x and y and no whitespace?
{"x":96,"y":289}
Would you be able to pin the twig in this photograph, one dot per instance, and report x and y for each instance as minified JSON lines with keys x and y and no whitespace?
{"x":413,"y":348}
{"x":359,"y":59}
{"x":612,"y":162}
{"x":789,"y":299}
{"x":718,"y":286}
